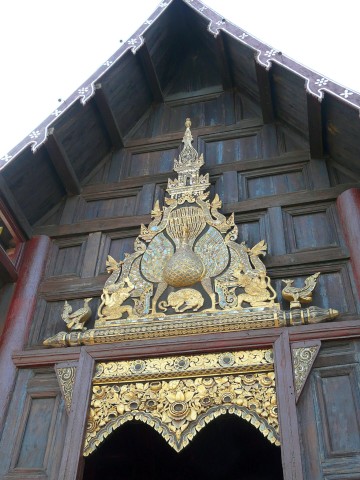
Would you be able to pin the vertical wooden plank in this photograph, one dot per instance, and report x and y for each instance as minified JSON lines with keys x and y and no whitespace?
{"x":276,"y":231}
{"x":70,"y":208}
{"x":20,"y":314}
{"x":231,"y":192}
{"x":13,"y":421}
{"x":269,"y":143}
{"x":228,"y":100}
{"x":91,"y":255}
{"x":289,"y":431}
{"x":72,"y":459}
{"x":145,"y":199}
{"x":319,"y":174}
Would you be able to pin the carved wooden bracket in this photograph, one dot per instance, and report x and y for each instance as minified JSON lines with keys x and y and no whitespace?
{"x":66,"y":373}
{"x":303,"y":357}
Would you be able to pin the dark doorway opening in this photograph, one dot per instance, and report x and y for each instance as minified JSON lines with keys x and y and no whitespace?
{"x":228,"y":448}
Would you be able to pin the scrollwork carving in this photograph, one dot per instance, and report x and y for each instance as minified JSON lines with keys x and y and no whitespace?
{"x":66,"y":379}
{"x":178,"y":409}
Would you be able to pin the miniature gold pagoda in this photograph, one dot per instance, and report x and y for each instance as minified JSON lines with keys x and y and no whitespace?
{"x":188,"y":274}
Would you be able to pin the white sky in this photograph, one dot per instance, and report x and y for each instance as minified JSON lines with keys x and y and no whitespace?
{"x":48,"y":48}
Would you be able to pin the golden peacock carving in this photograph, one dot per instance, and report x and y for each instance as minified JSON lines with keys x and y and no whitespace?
{"x":76,"y":320}
{"x":298,"y":295}
{"x":189,"y":274}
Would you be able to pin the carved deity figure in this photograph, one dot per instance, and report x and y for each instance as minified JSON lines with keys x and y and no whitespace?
{"x":113,"y":297}
{"x":258,"y":291}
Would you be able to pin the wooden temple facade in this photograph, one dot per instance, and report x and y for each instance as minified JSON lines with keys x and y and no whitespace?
{"x":233,"y":376}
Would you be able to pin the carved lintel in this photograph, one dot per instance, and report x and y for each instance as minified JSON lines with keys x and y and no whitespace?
{"x":191,"y":324}
{"x":180,"y":405}
{"x":303,"y":357}
{"x":66,"y":373}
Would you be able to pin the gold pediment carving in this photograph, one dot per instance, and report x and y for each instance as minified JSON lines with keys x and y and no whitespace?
{"x":189,"y":273}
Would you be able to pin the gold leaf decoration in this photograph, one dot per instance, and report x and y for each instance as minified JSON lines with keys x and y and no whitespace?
{"x":66,"y":379}
{"x":178,"y":409}
{"x":178,"y":396}
{"x":303,"y":359}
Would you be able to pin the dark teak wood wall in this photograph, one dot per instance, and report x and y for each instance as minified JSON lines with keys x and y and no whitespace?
{"x":265,"y":174}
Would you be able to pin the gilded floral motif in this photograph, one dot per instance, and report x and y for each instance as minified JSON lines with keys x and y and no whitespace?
{"x":169,"y":367}
{"x":178,"y":409}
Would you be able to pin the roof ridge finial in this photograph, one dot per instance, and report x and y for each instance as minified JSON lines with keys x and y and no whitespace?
{"x":189,"y":184}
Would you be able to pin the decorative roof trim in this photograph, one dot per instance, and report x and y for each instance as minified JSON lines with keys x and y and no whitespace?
{"x":315,"y":83}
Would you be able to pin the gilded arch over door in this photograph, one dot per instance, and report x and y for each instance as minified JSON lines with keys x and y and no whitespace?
{"x":178,"y":396}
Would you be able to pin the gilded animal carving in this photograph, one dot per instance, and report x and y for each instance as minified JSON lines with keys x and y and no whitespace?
{"x":185,"y":299}
{"x":76,"y":320}
{"x":113,"y":297}
{"x":298,"y":295}
{"x":258,"y":291}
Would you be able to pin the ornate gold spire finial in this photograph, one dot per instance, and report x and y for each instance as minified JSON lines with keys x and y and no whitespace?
{"x":189,"y":184}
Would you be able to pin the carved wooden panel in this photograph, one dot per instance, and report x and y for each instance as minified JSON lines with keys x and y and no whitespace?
{"x":169,"y":117}
{"x":244,"y":147}
{"x":252,"y":228}
{"x":116,"y":246}
{"x":263,"y":171}
{"x":112,"y":207}
{"x":311,"y":226}
{"x":149,"y":163}
{"x":329,"y":414}
{"x":334,"y":289}
{"x":48,"y":314}
{"x":337,"y":392}
{"x":40,"y":412}
{"x":35,"y":429}
{"x":267,"y":182}
{"x":67,"y":257}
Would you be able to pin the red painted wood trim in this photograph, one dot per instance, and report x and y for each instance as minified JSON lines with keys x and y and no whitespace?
{"x":348,"y":204}
{"x":289,"y":430}
{"x":20,"y":314}
{"x":188,"y":345}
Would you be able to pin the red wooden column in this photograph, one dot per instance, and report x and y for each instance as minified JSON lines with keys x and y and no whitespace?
{"x":348,"y":204}
{"x":20,"y":314}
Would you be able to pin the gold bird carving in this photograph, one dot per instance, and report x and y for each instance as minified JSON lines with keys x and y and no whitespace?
{"x":300,"y":294}
{"x":76,"y":320}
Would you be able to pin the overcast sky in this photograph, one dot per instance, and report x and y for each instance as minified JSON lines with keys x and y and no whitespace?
{"x":48,"y":47}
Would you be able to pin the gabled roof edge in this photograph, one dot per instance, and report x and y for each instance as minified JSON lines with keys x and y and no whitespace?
{"x":315,"y":83}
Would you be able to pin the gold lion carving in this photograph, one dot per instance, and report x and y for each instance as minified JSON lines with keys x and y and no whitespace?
{"x":184,"y":299}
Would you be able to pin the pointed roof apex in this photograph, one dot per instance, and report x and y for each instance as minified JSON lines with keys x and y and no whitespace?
{"x":314,"y":83}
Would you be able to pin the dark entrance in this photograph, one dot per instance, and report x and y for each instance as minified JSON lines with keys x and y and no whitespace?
{"x":228,"y":448}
